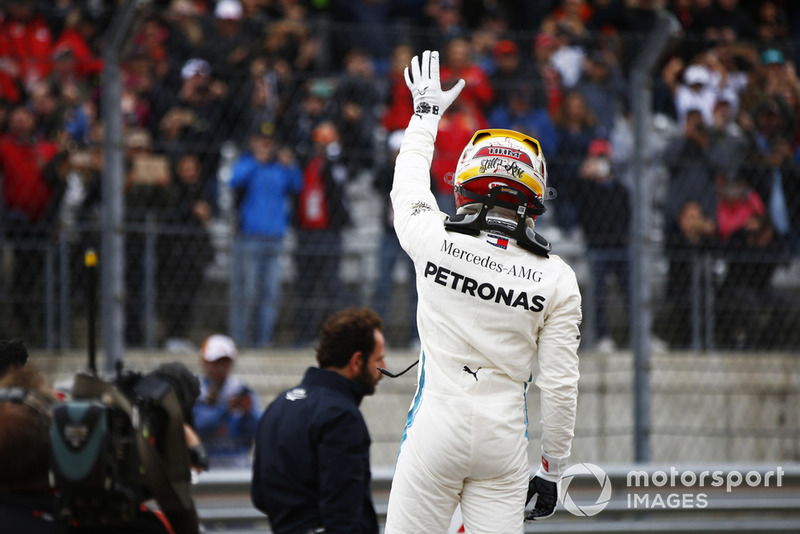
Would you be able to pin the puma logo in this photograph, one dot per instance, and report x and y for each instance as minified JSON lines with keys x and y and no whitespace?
{"x":473,"y":373}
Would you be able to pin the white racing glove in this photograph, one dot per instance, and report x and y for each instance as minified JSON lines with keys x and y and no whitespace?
{"x":430,"y":102}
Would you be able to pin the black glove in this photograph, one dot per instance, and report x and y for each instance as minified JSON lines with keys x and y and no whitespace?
{"x":546,"y":498}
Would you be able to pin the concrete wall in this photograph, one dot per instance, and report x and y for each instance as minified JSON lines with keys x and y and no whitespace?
{"x":706,"y":407}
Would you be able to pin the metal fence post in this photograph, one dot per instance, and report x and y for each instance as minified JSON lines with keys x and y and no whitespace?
{"x":149,"y":283}
{"x":696,"y":312}
{"x":641,"y":304}
{"x":113,"y":250}
{"x":49,"y":299}
{"x":64,"y":292}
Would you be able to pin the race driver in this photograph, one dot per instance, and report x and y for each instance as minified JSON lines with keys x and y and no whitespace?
{"x":496,"y":311}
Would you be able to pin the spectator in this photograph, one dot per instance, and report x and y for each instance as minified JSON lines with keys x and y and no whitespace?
{"x":456,"y":129}
{"x":478,"y":93}
{"x":737,"y":202}
{"x":507,"y":72}
{"x":602,"y":86}
{"x":691,"y":171}
{"x":74,"y":178}
{"x":322,"y":215}
{"x":690,"y":234}
{"x":729,"y":15}
{"x":146,"y":190}
{"x":229,"y":42}
{"x":77,"y":37}
{"x":571,"y":16}
{"x":520,"y":115}
{"x":202,"y":116}
{"x":45,"y":102}
{"x":463,"y":118}
{"x":576,"y":126}
{"x":390,"y":253}
{"x":311,"y":471}
{"x":696,"y":92}
{"x":510,"y":72}
{"x":293,"y":42}
{"x":776,"y":180}
{"x":298,"y":123}
{"x":751,"y":313}
{"x":441,"y":21}
{"x":604,"y":214}
{"x":184,"y":251}
{"x":367,"y":26}
{"x":265,"y":97}
{"x":545,"y":76}
{"x":139,"y":102}
{"x":26,"y":223}
{"x":226,"y":412}
{"x":25,"y":46}
{"x":357,"y":102}
{"x":185,"y":34}
{"x":772,"y":23}
{"x":398,"y":105}
{"x":568,"y":57}
{"x":265,"y":178}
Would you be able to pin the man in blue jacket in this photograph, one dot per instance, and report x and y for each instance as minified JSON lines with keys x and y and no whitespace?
{"x":311,"y":471}
{"x":265,"y":179}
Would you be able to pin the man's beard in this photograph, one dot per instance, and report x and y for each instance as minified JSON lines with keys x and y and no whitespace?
{"x":365,"y":378}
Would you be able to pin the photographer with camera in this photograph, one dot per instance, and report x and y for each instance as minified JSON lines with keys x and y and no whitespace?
{"x":115,"y":457}
{"x":227,"y":411}
{"x":30,"y":456}
{"x":27,"y":503}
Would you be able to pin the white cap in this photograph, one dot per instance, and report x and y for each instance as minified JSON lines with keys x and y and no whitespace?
{"x":218,"y":346}
{"x":228,"y":9}
{"x":696,"y":74}
{"x":195,"y":66}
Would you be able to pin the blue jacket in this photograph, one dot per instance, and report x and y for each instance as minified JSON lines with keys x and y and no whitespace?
{"x":311,"y":466}
{"x":266,"y":188}
{"x":227,"y":435}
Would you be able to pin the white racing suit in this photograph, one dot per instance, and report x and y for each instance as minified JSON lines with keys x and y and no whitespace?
{"x":492,"y":317}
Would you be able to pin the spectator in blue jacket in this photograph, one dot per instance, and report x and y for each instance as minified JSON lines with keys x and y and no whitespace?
{"x":227,"y":411}
{"x":265,"y":180}
{"x":311,"y":471}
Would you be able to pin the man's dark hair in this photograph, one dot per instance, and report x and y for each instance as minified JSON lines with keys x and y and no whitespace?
{"x":346,"y":332}
{"x":12,"y":353}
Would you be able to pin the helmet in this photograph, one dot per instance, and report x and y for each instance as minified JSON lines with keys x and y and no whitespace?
{"x":501,"y":158}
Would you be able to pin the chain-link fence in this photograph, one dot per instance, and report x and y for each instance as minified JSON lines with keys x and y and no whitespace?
{"x":258,"y":151}
{"x":258,"y":156}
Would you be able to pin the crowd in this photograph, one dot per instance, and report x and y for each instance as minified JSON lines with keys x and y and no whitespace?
{"x":310,"y":93}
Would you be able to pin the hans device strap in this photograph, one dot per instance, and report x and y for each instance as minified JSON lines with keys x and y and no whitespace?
{"x":473,"y":223}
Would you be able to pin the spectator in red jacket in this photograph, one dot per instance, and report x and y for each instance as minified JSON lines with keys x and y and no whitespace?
{"x":25,"y":47}
{"x":398,"y":107}
{"x":24,"y":224}
{"x":478,"y":93}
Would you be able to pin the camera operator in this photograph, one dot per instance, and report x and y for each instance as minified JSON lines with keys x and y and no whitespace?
{"x":28,"y":502}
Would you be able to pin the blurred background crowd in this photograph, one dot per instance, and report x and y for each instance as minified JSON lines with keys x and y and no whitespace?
{"x":259,"y":138}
